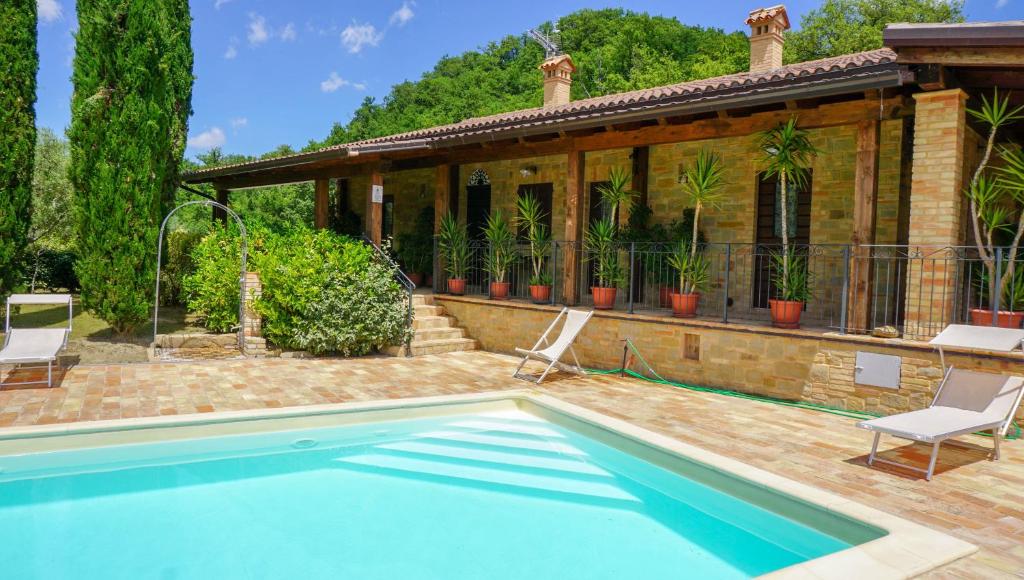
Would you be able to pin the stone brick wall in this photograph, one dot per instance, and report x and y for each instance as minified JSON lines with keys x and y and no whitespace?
{"x":506,"y":177}
{"x":794,"y":365}
{"x":413,"y":191}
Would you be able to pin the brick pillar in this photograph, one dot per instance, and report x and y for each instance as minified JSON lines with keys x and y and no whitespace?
{"x":255,"y":344}
{"x":936,"y":211}
{"x":574,"y":185}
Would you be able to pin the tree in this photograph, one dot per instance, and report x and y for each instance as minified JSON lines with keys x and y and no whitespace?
{"x":614,"y":50}
{"x":52,"y":213}
{"x":844,"y":26}
{"x":132,"y":98}
{"x":18,"y":65}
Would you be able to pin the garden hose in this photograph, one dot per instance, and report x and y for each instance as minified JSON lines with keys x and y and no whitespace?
{"x":1014,"y":433}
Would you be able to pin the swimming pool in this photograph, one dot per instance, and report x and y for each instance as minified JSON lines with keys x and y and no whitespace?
{"x":505,"y":488}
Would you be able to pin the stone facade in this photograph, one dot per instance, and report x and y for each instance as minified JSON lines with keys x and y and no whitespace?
{"x":254,"y":343}
{"x":792,"y":365}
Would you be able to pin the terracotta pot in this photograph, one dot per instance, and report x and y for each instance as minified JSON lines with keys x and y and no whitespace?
{"x":499,"y":290}
{"x":685,"y":305}
{"x":1006,"y":319}
{"x":457,"y":286}
{"x":416,"y":278}
{"x":665,"y":296}
{"x":604,"y":298}
{"x":786,"y":313}
{"x":540,"y":294}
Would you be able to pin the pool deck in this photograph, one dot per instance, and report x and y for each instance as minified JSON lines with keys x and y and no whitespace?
{"x":972,"y":498}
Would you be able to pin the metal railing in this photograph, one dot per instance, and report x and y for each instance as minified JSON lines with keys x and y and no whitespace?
{"x":888,"y":289}
{"x":404,"y":281}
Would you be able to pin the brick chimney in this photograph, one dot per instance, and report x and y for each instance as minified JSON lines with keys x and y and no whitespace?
{"x":766,"y":28}
{"x":557,"y":79}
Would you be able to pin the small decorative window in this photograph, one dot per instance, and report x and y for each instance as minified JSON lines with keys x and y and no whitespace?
{"x":479,"y":177}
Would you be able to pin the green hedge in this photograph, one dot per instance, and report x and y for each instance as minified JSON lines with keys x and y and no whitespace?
{"x":322,"y":292}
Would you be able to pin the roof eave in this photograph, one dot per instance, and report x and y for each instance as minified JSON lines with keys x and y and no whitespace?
{"x":985,"y":34}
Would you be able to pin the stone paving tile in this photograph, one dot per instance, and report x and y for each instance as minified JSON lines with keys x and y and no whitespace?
{"x":971,"y":497}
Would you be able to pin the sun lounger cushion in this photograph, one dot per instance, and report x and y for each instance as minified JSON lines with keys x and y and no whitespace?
{"x":29,"y":345}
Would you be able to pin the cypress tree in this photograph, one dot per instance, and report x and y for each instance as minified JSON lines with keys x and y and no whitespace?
{"x":18,"y":65}
{"x":129,"y":120}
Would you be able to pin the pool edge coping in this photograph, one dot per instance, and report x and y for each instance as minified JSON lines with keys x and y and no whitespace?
{"x":908,"y":548}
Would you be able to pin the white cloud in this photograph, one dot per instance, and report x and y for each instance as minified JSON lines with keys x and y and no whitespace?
{"x":333,"y":83}
{"x":239,"y":122}
{"x":403,"y":14}
{"x":1001,"y":3}
{"x":258,"y":33}
{"x":218,"y":3}
{"x":288,"y":32}
{"x":49,"y":10}
{"x":232,"y":50}
{"x":214,"y":137}
{"x":356,"y":36}
{"x":359,"y":86}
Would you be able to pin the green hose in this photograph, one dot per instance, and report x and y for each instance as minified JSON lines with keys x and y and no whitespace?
{"x":1015,"y":433}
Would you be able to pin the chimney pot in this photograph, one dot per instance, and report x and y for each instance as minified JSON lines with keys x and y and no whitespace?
{"x":557,"y":72}
{"x":766,"y":40}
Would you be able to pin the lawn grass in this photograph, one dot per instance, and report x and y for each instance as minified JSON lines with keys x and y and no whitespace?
{"x":93,"y":340}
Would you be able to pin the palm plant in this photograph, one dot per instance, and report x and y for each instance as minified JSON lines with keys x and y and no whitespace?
{"x":788,"y":153}
{"x":692,"y":268}
{"x":703,"y":185}
{"x":502,"y":241}
{"x":453,"y":240}
{"x":601,"y":241}
{"x":602,"y":236}
{"x":991,"y":214}
{"x":796,"y":280}
{"x":531,"y":217}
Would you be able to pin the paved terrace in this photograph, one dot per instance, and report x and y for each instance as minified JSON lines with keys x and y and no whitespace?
{"x":977,"y":500}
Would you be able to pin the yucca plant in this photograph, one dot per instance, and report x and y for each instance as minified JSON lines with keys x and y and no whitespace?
{"x":601,"y":243}
{"x":501,"y":240}
{"x":692,"y":267}
{"x":994,"y":200}
{"x":453,"y":240}
{"x":787,"y":155}
{"x":601,"y":239}
{"x":703,"y":185}
{"x":531,"y":218}
{"x":793,"y":280}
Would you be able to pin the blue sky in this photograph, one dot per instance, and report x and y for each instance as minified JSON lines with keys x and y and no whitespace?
{"x":272,"y":72}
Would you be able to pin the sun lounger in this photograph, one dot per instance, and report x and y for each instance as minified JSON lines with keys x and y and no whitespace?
{"x":35,"y":345}
{"x":575,"y":320}
{"x":966,"y":401}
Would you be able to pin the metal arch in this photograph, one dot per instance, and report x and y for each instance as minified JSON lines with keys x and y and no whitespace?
{"x":241,"y":279}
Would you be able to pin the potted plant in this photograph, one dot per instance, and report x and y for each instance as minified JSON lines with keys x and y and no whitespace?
{"x":793,"y":287}
{"x":601,"y":241}
{"x":501,"y":252}
{"x":703,"y":185}
{"x":1011,"y":305}
{"x":788,"y":152}
{"x":692,"y":266}
{"x":993,"y":201}
{"x":530,"y":217}
{"x":453,"y":241}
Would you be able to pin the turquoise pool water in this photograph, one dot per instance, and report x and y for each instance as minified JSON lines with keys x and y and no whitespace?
{"x":494,"y":495}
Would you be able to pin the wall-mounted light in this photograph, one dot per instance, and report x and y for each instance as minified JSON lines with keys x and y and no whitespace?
{"x":528,"y":170}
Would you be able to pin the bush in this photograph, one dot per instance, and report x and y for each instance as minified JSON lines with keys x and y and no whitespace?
{"x":177,"y":264}
{"x":211,"y":289}
{"x":56,"y":270}
{"x":322,"y":292}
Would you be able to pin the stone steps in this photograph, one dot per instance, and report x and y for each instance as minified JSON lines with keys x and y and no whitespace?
{"x":434,"y":331}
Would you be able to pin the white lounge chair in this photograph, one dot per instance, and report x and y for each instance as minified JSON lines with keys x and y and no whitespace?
{"x":35,"y":345}
{"x":575,"y":320}
{"x":966,"y":401}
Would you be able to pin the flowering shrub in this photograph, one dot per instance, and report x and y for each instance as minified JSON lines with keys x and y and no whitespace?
{"x":322,"y":292}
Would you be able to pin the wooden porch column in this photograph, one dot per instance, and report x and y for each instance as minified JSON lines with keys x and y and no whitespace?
{"x":574,"y":185}
{"x":220,"y":215}
{"x":375,"y":207}
{"x":865,"y":200}
{"x":322,"y":191}
{"x":442,"y":194}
